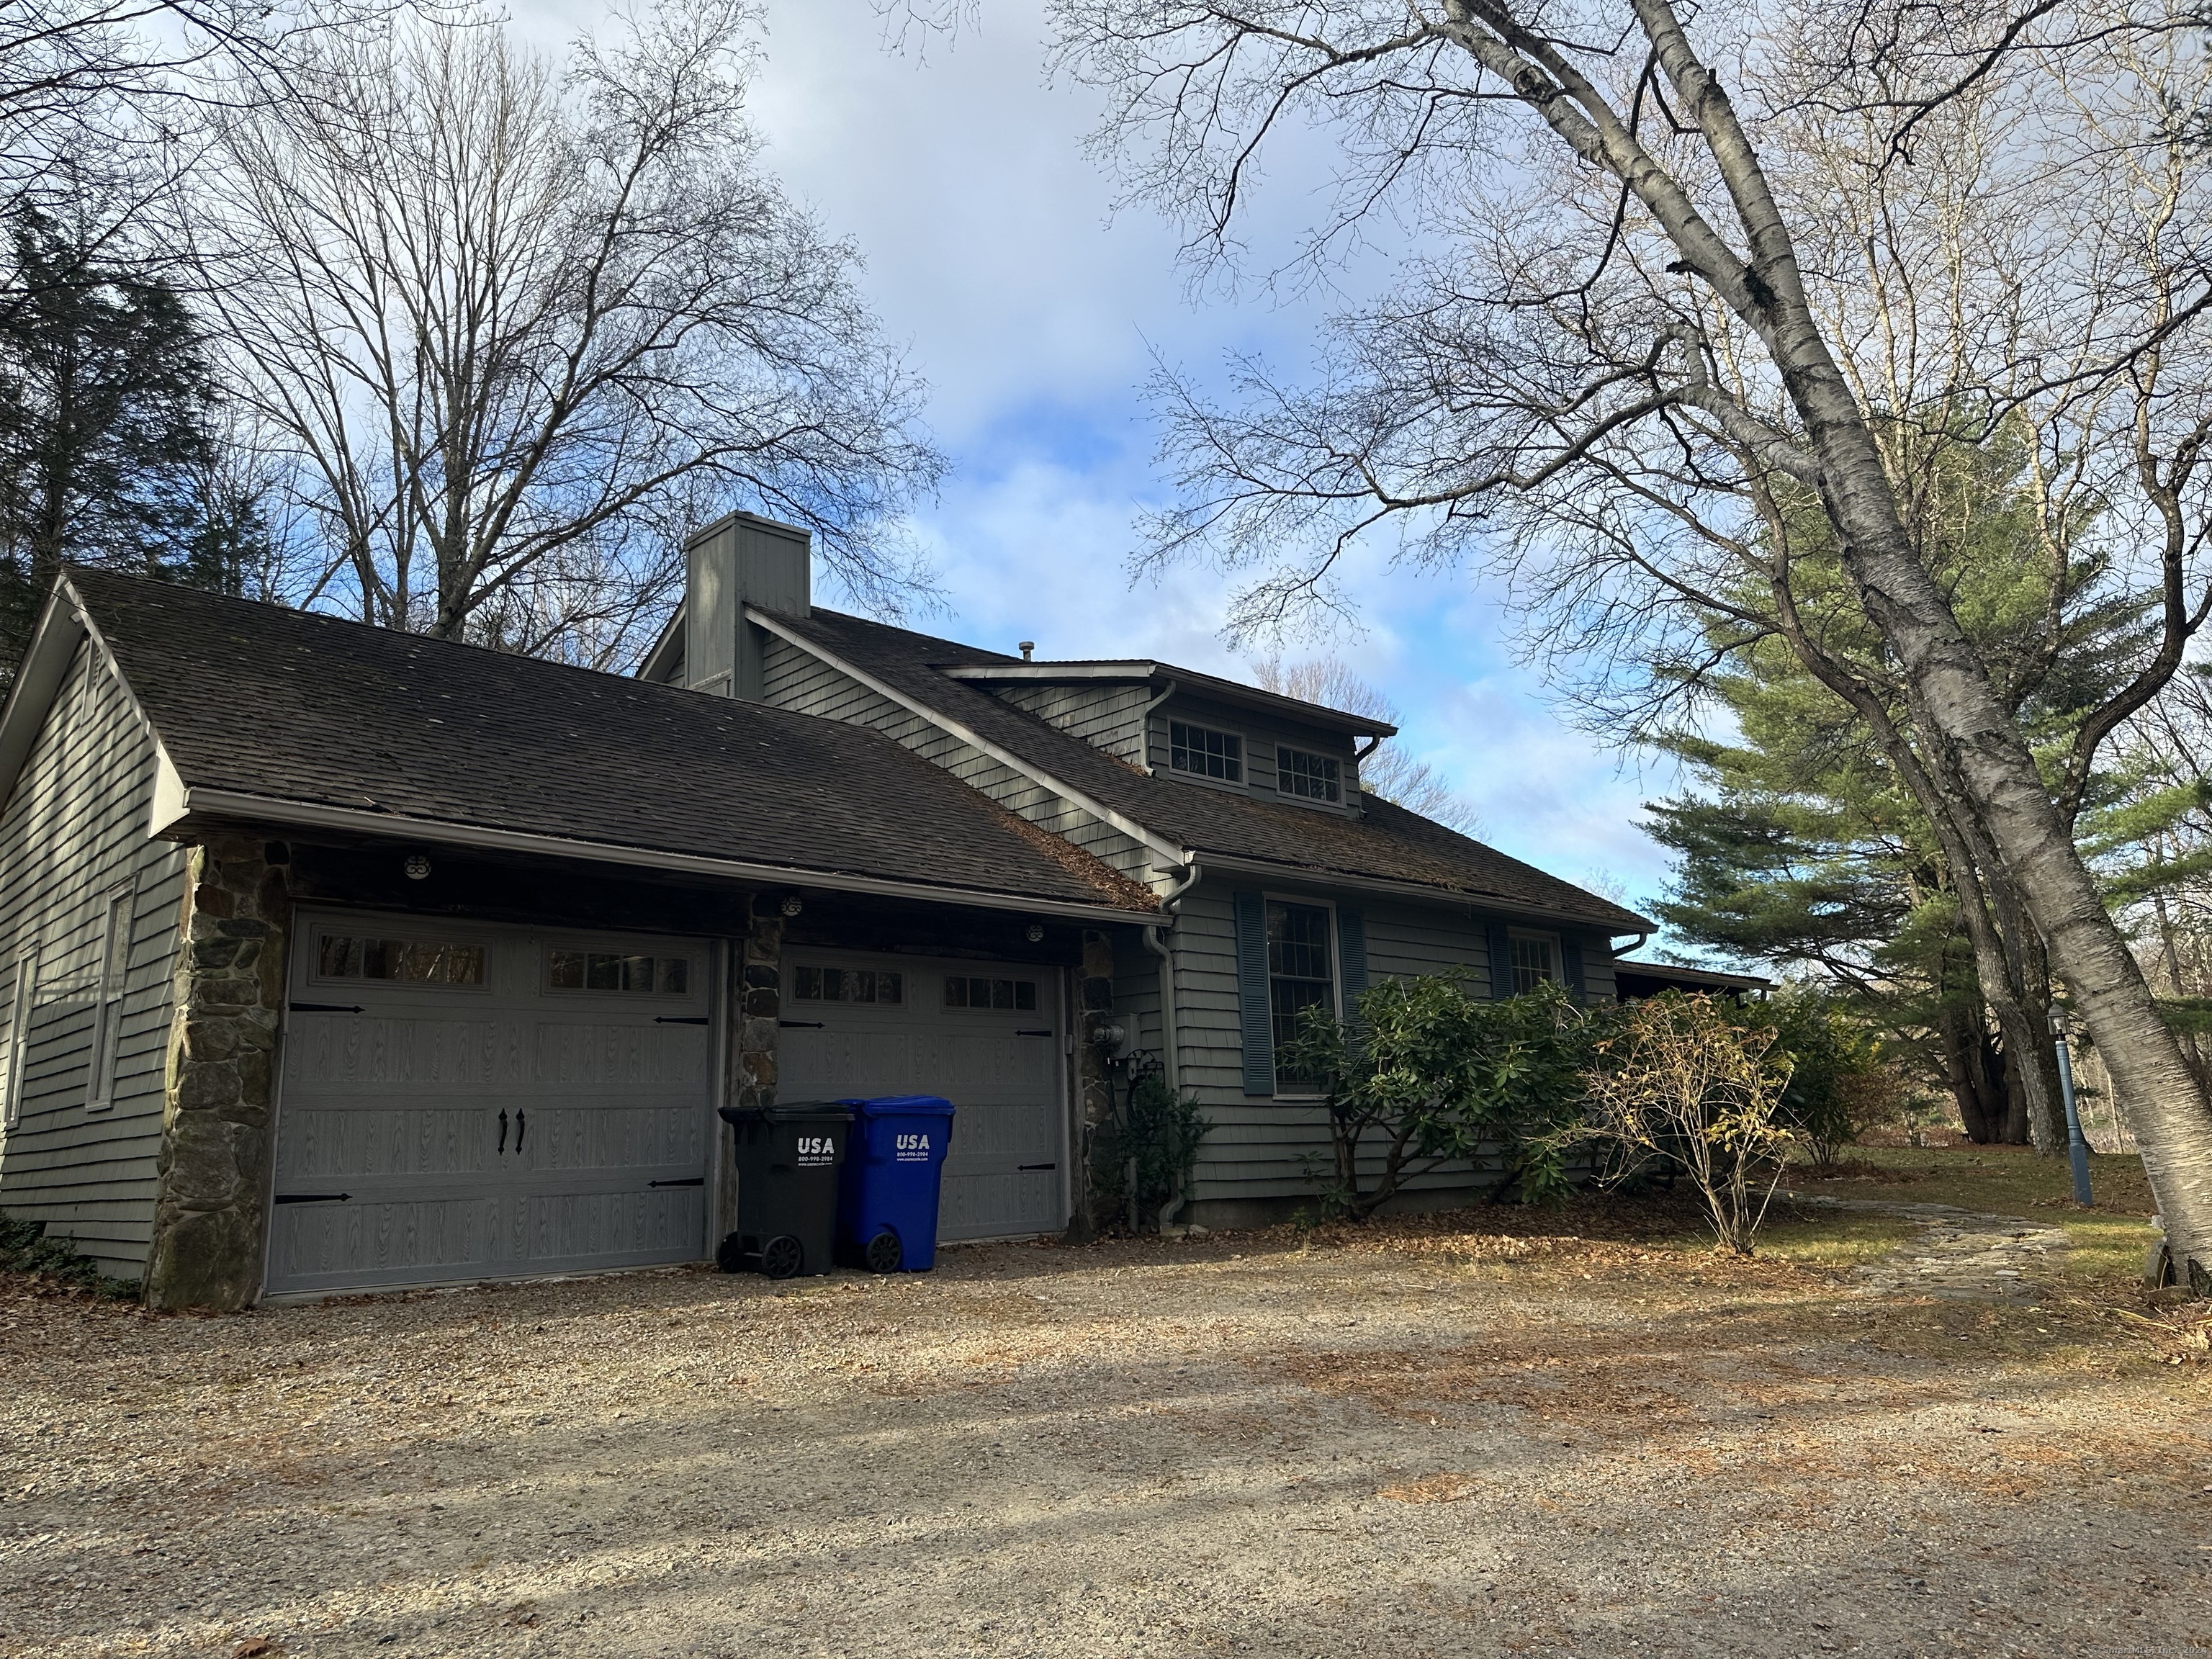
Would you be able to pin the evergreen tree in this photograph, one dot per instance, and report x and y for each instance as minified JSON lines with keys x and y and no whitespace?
{"x":1800,"y":847}
{"x":109,"y":452}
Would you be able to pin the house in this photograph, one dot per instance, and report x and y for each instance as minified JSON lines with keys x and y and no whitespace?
{"x":333,"y":957}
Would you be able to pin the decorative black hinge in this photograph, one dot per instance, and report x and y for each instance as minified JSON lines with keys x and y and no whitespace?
{"x":800,"y":1025}
{"x":680,"y":1019}
{"x":328,"y":1008}
{"x":1044,"y":1033}
{"x":688,"y":1180}
{"x":312,"y":1197}
{"x":1037,"y":1166}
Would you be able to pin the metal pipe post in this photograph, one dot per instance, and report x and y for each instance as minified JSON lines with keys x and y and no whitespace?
{"x":2077,"y":1146}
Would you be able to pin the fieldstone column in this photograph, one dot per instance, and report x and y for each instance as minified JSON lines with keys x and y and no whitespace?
{"x":754,"y":996}
{"x":1094,"y":1085}
{"x":211,"y":1206}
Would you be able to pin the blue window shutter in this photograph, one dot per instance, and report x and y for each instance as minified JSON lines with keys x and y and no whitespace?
{"x":1501,"y":964}
{"x":1571,"y":959}
{"x":1352,"y":957}
{"x":1254,"y":1010}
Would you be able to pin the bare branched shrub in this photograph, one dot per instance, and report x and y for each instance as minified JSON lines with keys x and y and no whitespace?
{"x":1677,"y":1083}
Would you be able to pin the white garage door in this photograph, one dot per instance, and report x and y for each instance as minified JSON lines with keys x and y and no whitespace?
{"x":984,"y":1036}
{"x":468,"y":1101}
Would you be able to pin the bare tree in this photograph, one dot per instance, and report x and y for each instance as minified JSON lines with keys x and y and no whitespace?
{"x":522,"y":330}
{"x":1389,"y":770}
{"x":1623,"y":348}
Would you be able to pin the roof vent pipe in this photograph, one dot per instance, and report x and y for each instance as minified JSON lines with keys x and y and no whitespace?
{"x":1028,"y":647}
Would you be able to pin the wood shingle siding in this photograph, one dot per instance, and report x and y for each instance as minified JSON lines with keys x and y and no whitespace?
{"x":1107,"y":716}
{"x":804,"y":684}
{"x":1278,"y":1149}
{"x":73,"y":832}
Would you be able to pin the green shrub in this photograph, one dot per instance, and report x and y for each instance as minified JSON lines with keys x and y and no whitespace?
{"x":1156,"y":1137}
{"x":24,"y":1248}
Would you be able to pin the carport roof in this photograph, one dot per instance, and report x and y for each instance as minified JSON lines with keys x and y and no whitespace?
{"x":323,"y":720}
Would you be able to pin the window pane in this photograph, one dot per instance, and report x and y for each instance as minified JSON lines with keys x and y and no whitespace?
{"x":1533,"y":965}
{"x":1301,"y":973}
{"x":806,"y":984}
{"x":341,"y":958}
{"x":675,"y":975}
{"x":891,"y":987}
{"x":1025,"y":994}
{"x":565,"y":972}
{"x":1208,"y":753}
{"x":603,"y":971}
{"x":956,"y":991}
{"x":1316,"y":777}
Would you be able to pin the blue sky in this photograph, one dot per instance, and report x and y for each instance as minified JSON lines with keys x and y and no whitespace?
{"x":1030,"y":307}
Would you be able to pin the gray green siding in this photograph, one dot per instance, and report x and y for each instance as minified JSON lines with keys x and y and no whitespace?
{"x":73,"y":831}
{"x":798,"y":680}
{"x":1108,"y":716}
{"x":1259,"y":1149}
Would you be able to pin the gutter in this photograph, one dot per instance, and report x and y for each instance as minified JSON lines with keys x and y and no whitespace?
{"x":1145,"y":727}
{"x":1495,"y":903}
{"x":176,"y":803}
{"x":1155,"y":941}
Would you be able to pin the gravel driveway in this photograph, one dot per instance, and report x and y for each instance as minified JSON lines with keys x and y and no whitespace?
{"x":1430,"y":1443}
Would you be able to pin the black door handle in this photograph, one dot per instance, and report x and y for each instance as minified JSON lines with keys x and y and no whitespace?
{"x":679,"y":1019}
{"x":502,"y":1129}
{"x":328,"y":1008}
{"x":796,"y":1025}
{"x":521,"y":1126}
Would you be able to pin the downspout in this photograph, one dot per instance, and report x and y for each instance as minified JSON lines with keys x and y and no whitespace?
{"x":1156,"y":942}
{"x":1144,"y":738}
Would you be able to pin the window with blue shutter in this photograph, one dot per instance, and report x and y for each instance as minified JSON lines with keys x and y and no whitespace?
{"x":1501,"y":963}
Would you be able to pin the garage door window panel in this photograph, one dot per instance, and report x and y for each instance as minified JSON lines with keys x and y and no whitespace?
{"x":617,"y":972}
{"x":341,"y":957}
{"x":859,"y":985}
{"x":976,"y":991}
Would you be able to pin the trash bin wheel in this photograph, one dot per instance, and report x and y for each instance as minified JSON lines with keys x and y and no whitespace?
{"x":782,"y":1256}
{"x":730,"y":1254}
{"x":884,"y":1253}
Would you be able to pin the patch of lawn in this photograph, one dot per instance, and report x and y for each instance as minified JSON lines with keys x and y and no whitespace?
{"x":1833,"y":1241}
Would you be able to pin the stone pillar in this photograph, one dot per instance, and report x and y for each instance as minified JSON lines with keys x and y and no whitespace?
{"x":1094,"y":1085}
{"x":211,"y":1205}
{"x":754,"y":997}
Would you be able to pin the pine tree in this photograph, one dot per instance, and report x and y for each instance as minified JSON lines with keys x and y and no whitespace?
{"x":109,"y":452}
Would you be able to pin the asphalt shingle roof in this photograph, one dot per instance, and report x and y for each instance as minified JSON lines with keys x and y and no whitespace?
{"x":1388,"y":843}
{"x":303,"y":707}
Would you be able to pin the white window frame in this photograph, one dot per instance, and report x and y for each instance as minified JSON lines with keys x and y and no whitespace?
{"x":108,"y":991}
{"x":1306,"y":1091}
{"x":1536,"y":936}
{"x":1345,"y":768}
{"x":22,"y":999}
{"x":1168,"y":768}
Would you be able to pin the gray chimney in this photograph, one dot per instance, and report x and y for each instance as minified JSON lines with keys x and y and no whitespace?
{"x":734,"y":562}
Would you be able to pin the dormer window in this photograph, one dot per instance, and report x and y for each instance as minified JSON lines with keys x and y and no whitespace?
{"x":1204,"y":753}
{"x":1315,"y":777}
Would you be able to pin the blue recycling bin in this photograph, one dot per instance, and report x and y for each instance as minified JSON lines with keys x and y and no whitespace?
{"x":887,"y":1189}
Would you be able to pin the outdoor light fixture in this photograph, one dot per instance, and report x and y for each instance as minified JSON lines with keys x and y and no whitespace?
{"x":1035,"y":932}
{"x":417,"y":867}
{"x":793,"y":904}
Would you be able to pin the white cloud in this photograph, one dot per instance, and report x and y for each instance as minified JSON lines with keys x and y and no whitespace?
{"x":1029,"y":306}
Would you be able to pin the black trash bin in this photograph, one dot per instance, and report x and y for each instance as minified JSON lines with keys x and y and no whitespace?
{"x":787,"y":1163}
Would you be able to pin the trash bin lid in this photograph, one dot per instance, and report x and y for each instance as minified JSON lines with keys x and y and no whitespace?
{"x":902,"y":1106}
{"x":797,"y":1111}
